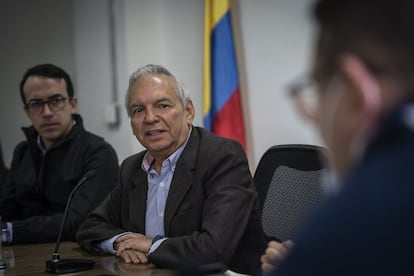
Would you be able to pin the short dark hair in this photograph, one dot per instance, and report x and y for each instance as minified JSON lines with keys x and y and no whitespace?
{"x":49,"y":71}
{"x":380,"y":32}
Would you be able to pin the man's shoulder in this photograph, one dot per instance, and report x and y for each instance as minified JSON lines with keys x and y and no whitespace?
{"x":20,"y":149}
{"x":91,"y":144}
{"x":82,"y":133}
{"x":134,"y":160}
{"x":22,"y":145}
{"x":209,"y":139}
{"x":204,"y":145}
{"x":92,"y":137}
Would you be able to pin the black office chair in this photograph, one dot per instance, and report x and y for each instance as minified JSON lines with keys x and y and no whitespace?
{"x":289,"y":181}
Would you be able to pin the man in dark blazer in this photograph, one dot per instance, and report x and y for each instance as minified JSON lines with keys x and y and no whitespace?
{"x":189,"y":197}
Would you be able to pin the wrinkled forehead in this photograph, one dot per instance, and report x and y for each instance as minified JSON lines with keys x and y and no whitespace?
{"x":154,"y":86}
{"x":154,"y":82}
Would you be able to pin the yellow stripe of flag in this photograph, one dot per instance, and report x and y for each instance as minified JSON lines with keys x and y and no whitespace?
{"x":214,"y":11}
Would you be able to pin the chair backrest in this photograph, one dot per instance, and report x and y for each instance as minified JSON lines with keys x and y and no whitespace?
{"x":289,"y":182}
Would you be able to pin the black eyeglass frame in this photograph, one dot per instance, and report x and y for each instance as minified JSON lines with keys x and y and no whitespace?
{"x":304,"y":93}
{"x":55,"y":103}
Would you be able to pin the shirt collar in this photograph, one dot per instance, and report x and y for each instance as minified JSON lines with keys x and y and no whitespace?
{"x":40,"y":144}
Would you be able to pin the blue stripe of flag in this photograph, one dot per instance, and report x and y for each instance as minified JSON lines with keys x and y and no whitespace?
{"x":223,"y":67}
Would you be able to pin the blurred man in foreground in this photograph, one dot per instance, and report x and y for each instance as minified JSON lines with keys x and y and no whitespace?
{"x":363,"y":78}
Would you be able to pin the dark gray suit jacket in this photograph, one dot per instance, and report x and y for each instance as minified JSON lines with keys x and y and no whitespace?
{"x":211,"y":214}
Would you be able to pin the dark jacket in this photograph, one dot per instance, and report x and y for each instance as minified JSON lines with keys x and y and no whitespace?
{"x":368,"y":228}
{"x":211,"y":214}
{"x":4,"y":172}
{"x":37,"y":190}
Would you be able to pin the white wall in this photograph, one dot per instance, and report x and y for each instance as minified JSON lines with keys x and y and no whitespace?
{"x":170,"y":33}
{"x":102,"y":82}
{"x":31,"y":32}
{"x":275,"y":36}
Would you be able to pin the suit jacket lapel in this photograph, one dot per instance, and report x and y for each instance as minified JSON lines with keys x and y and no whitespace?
{"x":138,"y":201}
{"x":182,"y":179}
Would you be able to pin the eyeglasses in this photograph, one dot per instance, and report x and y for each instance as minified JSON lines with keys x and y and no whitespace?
{"x":307,"y":94}
{"x":54,"y":103}
{"x":304,"y":92}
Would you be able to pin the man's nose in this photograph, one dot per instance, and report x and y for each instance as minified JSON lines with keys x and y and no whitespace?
{"x":150,"y":116}
{"x":46,"y":109}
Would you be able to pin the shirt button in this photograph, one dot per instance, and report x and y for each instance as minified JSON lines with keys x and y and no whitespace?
{"x":162,"y":184}
{"x":162,"y":214}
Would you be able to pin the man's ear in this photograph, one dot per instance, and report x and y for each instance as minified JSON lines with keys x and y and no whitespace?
{"x":74,"y":104}
{"x":189,"y":111}
{"x":367,"y":97}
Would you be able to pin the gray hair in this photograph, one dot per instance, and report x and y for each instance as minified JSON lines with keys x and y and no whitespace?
{"x":148,"y":69}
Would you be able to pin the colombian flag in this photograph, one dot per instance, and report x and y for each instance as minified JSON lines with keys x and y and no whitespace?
{"x":222,"y":108}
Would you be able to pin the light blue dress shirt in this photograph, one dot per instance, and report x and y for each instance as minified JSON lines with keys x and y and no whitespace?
{"x":157,"y":193}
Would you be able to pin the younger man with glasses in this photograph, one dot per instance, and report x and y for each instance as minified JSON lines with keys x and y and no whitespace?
{"x":47,"y":166}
